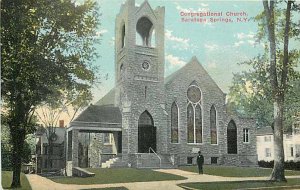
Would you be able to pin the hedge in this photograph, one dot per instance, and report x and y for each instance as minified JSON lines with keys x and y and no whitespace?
{"x":288,"y":165}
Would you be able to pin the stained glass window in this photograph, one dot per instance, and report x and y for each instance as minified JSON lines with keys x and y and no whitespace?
{"x":198,"y":124}
{"x":190,"y":123}
{"x":174,"y":123}
{"x":213,"y":125}
{"x":194,"y":94}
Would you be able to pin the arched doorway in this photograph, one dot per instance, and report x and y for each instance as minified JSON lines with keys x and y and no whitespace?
{"x":146,"y":133}
{"x":231,"y":138}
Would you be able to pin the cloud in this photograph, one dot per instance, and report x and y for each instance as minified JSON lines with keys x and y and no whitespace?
{"x":212,"y":65}
{"x":204,"y":8}
{"x":246,"y":39}
{"x":211,"y":46}
{"x":181,"y":43}
{"x":174,"y":61}
{"x":103,"y":31}
{"x":100,"y":33}
{"x":242,"y":35}
{"x":112,"y":42}
{"x":204,"y":4}
{"x":237,"y":44}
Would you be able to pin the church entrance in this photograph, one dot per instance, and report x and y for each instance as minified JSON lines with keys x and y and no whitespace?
{"x":146,"y":133}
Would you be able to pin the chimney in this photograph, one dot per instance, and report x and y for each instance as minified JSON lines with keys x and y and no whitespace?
{"x":61,"y":123}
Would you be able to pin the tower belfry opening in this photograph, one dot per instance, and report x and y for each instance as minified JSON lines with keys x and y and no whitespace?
{"x":144,"y":28}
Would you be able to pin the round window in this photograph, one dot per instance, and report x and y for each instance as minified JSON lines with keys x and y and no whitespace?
{"x":146,"y":65}
{"x":194,"y":94}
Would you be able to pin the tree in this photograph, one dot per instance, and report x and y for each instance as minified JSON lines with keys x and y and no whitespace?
{"x":47,"y":49}
{"x":278,"y":81}
{"x":251,"y":96}
{"x":274,"y":71}
{"x":6,"y":148}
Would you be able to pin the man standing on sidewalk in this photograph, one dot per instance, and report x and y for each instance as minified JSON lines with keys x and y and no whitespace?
{"x":200,"y":161}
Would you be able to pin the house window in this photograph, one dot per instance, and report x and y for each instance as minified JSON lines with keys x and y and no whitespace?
{"x":214,"y":160}
{"x":194,"y":115}
{"x":174,"y":123}
{"x":268,"y":138}
{"x":189,"y":160}
{"x":268,"y":152}
{"x":292,"y":151}
{"x":213,"y":125}
{"x":107,"y":138}
{"x":45,"y":149}
{"x":245,"y":135}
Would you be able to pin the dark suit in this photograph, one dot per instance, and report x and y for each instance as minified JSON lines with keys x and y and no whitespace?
{"x":200,"y":161}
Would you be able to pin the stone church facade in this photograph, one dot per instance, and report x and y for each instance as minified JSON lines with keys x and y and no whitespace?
{"x":173,"y":117}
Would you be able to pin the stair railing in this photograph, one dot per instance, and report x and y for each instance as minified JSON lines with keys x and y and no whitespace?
{"x":151,"y":149}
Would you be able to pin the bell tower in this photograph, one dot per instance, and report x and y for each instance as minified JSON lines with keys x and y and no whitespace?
{"x":139,"y":67}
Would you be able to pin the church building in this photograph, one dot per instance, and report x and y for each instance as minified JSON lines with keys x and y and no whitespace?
{"x":148,"y":120}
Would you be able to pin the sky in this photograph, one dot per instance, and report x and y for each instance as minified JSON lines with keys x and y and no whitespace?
{"x":219,"y":46}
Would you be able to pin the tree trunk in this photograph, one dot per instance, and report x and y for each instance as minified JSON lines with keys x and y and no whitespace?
{"x":17,"y":137}
{"x":278,"y":169}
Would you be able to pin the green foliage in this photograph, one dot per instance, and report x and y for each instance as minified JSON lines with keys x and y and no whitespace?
{"x":252,"y":184}
{"x":251,"y":92}
{"x":6,"y":181}
{"x":232,"y":171}
{"x":47,"y":50}
{"x":119,"y":175}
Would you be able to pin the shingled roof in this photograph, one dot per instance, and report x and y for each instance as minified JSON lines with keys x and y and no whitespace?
{"x":264,"y":130}
{"x":108,"y":99}
{"x":103,"y":114}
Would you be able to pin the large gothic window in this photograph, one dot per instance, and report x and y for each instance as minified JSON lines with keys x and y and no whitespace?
{"x":174,"y":123}
{"x":231,"y":138}
{"x":194,"y":115}
{"x":144,"y":29}
{"x":213,"y":125}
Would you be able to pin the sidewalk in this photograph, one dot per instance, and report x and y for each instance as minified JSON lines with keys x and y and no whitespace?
{"x":40,"y":183}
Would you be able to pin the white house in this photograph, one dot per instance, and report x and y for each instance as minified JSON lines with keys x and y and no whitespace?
{"x":291,"y":143}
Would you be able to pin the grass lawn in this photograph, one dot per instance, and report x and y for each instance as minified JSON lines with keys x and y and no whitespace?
{"x":7,"y":177}
{"x":108,"y":188}
{"x":291,"y":184}
{"x":118,"y":175}
{"x":230,"y":171}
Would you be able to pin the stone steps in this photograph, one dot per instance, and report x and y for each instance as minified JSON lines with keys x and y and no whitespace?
{"x":152,"y":161}
{"x":114,"y":163}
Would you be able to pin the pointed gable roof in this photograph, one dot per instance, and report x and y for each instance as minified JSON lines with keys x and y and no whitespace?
{"x":146,"y":8}
{"x":103,"y":114}
{"x":192,"y":66}
{"x":108,"y":99}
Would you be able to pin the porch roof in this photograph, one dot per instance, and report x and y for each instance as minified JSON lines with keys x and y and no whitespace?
{"x":98,"y":118}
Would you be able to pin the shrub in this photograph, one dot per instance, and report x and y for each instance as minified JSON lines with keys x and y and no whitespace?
{"x":288,"y":165}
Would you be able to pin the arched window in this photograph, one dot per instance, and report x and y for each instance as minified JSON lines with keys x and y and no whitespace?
{"x":213,"y":125}
{"x":144,"y":29}
{"x":194,"y":115}
{"x":174,"y":123}
{"x":123,"y":36}
{"x":190,"y":123}
{"x":231,"y":138}
{"x":198,"y":124}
